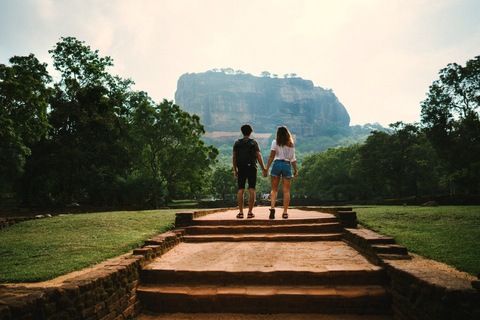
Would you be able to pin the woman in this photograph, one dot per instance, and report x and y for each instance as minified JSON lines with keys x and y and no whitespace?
{"x":283,"y":156}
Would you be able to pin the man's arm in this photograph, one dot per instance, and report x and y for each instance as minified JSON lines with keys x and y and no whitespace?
{"x":234,"y":161}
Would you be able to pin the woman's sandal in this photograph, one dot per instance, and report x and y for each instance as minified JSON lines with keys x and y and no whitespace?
{"x":240,"y":215}
{"x":285,"y":215}
{"x":272,"y":214}
{"x":250,"y":215}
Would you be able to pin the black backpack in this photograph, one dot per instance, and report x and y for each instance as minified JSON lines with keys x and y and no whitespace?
{"x":245,"y":153}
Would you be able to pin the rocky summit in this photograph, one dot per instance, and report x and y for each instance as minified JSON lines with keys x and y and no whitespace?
{"x":226,"y":101}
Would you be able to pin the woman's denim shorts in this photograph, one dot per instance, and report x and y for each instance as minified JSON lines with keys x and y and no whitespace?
{"x":281,"y":168}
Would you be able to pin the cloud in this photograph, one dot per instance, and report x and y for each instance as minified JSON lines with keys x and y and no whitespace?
{"x":379,"y":57}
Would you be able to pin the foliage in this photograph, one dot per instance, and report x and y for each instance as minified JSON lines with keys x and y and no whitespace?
{"x":85,"y":149}
{"x":168,"y":146}
{"x":79,"y":141}
{"x":223,"y":181}
{"x":446,"y":234}
{"x":451,"y":121}
{"x":24,"y":99}
{"x":397,"y":164}
{"x":326,"y":174}
{"x":40,"y":250}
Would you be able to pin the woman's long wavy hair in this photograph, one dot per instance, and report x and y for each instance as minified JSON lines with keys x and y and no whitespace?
{"x":283,"y":137}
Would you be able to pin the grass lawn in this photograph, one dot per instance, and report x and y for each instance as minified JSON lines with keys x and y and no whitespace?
{"x":449,"y":234}
{"x":43,"y":249}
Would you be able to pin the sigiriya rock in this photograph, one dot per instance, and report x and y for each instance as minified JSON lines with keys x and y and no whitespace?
{"x":225,"y":101}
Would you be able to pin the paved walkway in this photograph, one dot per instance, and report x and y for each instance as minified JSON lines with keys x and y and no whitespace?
{"x":262,"y":213}
{"x":328,"y":257}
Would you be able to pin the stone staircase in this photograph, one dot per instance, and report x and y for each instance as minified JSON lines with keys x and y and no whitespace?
{"x":319,"y":229}
{"x":264,"y":266}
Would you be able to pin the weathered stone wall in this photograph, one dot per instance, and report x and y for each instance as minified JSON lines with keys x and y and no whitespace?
{"x":417,"y":294}
{"x":107,"y":293}
{"x":7,"y":222}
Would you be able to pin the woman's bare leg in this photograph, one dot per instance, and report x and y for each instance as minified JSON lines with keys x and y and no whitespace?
{"x":275,"y":185}
{"x":286,"y":193}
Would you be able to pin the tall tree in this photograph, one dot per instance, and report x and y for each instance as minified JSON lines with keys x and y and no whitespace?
{"x":451,"y":121}
{"x":169,"y":147}
{"x":223,"y":181}
{"x":265,"y":74}
{"x":86,"y":146}
{"x":396,"y":163}
{"x":24,"y":95}
{"x":326,"y":174}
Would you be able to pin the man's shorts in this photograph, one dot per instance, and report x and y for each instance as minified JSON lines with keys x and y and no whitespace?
{"x":247,"y":173}
{"x":281,"y":168}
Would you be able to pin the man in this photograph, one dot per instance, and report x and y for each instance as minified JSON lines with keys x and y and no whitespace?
{"x":246,"y":152}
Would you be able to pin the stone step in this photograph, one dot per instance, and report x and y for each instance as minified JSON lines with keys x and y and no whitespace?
{"x":265,"y":299}
{"x":266,"y":222}
{"x":299,"y":237}
{"x":389,"y":249}
{"x":353,"y":275}
{"x":330,"y":227}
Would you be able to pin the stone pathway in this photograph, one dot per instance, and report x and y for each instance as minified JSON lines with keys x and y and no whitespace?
{"x":236,"y":267}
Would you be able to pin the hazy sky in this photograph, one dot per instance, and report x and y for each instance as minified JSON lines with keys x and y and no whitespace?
{"x":378,"y":56}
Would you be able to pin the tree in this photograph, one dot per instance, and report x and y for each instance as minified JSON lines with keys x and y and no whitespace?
{"x":24,"y":99}
{"x":326,"y":174}
{"x":451,"y":121}
{"x":400,"y":163}
{"x":86,"y":148}
{"x":227,"y":70}
{"x":223,"y":181}
{"x":265,"y":74}
{"x":168,"y":146}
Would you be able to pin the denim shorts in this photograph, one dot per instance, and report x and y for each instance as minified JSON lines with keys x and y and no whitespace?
{"x":281,"y":168}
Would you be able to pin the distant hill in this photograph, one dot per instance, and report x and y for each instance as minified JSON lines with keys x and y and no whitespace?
{"x":224,"y":102}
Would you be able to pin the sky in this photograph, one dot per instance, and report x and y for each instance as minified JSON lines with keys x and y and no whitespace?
{"x":378,"y":56}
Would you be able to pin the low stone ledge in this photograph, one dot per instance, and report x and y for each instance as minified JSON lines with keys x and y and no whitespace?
{"x":185,"y":219}
{"x":374,"y":246}
{"x":345,"y":215}
{"x":416,"y":293}
{"x":8,"y":222}
{"x":430,"y":294}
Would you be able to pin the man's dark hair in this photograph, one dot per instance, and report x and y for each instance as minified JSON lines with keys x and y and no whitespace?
{"x":246,"y":129}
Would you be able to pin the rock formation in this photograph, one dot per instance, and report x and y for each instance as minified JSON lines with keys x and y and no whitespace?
{"x":225,"y":102}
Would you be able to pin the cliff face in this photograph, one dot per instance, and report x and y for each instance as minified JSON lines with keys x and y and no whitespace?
{"x":225,"y":102}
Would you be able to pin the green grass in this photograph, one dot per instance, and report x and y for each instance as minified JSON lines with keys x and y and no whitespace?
{"x":176,"y":203}
{"x":449,"y":234}
{"x":40,"y":250}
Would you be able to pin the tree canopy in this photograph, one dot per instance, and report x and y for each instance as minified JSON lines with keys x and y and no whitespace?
{"x":85,"y":138}
{"x":24,"y":96}
{"x":451,"y":121}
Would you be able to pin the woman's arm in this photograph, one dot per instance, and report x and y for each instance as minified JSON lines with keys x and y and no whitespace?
{"x":295,"y":172}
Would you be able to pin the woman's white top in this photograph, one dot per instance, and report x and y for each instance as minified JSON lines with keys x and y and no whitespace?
{"x":283,"y":152}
